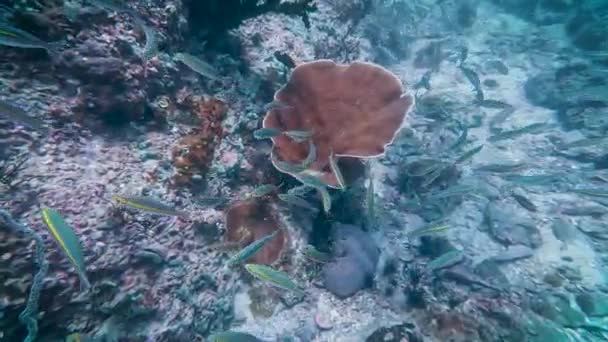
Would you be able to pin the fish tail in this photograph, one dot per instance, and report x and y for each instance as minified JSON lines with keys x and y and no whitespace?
{"x":54,"y":48}
{"x":85,"y":285}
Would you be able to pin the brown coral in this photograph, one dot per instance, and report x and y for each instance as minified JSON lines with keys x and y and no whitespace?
{"x":354,"y":110}
{"x":193,"y":152}
{"x":249,"y":220}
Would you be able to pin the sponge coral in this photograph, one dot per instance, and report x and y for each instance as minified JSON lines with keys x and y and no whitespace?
{"x":353,"y":110}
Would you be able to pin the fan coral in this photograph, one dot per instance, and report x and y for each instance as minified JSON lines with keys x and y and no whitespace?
{"x":247,"y":221}
{"x":193,"y":152}
{"x":353,"y":110}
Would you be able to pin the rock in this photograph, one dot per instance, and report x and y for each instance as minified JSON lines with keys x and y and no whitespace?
{"x":395,"y":333}
{"x":510,"y":227}
{"x":355,"y":259}
{"x":593,"y":304}
{"x":322,"y":321}
{"x":344,"y":278}
{"x":513,"y":253}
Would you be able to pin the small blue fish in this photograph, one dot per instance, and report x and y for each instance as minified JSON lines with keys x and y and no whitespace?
{"x":233,"y":336}
{"x":251,"y":249}
{"x":266,"y":133}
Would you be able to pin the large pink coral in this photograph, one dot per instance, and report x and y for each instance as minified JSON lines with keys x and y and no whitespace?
{"x":353,"y":110}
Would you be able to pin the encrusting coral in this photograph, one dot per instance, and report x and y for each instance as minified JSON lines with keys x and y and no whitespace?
{"x":353,"y":110}
{"x":250,"y":220}
{"x":193,"y":153}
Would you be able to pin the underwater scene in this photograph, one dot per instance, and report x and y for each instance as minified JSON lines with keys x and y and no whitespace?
{"x":303,"y":170}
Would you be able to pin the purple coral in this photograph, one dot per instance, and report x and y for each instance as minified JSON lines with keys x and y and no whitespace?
{"x":354,"y":265}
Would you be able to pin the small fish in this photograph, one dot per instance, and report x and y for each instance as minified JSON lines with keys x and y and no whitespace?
{"x":534,"y":128}
{"x":273,"y":277}
{"x":494,"y":104}
{"x":499,"y":118}
{"x":468,"y":154}
{"x":233,"y":336}
{"x":310,"y":252}
{"x":286,"y":167}
{"x":285,"y":59}
{"x":333,"y":164}
{"x":75,"y":337}
{"x":251,"y":249}
{"x":585,"y":210}
{"x":425,"y":81}
{"x":266,"y":133}
{"x":431,"y":178}
{"x":471,"y":75}
{"x":151,"y":48}
{"x":464,"y":53}
{"x":312,"y":155}
{"x":78,"y":337}
{"x":592,"y":192}
{"x":296,"y":201}
{"x":456,"y":190}
{"x":468,"y":278}
{"x":276,"y":105}
{"x":524,"y":201}
{"x":263,"y":190}
{"x":312,"y":178}
{"x":428,"y":230}
{"x":448,"y":259}
{"x":419,"y":169}
{"x":14,"y":37}
{"x":201,"y":67}
{"x":563,"y":231}
{"x":462,"y":138}
{"x":501,"y":168}
{"x":584,"y":143}
{"x":68,"y":242}
{"x":149,"y":204}
{"x":16,"y":114}
{"x":326,"y":199}
{"x":298,"y":136}
{"x":545,"y":179}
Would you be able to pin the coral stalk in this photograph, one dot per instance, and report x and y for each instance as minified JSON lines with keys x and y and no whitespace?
{"x":28,"y":315}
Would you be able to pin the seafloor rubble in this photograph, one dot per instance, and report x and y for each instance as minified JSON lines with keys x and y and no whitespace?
{"x":504,"y":155}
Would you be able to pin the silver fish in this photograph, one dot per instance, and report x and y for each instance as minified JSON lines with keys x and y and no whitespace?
{"x":196,"y":64}
{"x":10,"y":36}
{"x":16,"y":114}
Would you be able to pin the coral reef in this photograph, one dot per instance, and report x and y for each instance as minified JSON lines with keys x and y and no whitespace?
{"x":509,"y":129}
{"x":352,"y":110}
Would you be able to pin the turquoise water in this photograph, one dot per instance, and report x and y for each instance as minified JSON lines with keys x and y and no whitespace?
{"x":310,"y":170}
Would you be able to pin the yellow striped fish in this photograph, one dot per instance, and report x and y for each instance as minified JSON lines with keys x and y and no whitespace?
{"x":149,"y":204}
{"x":68,"y":241}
